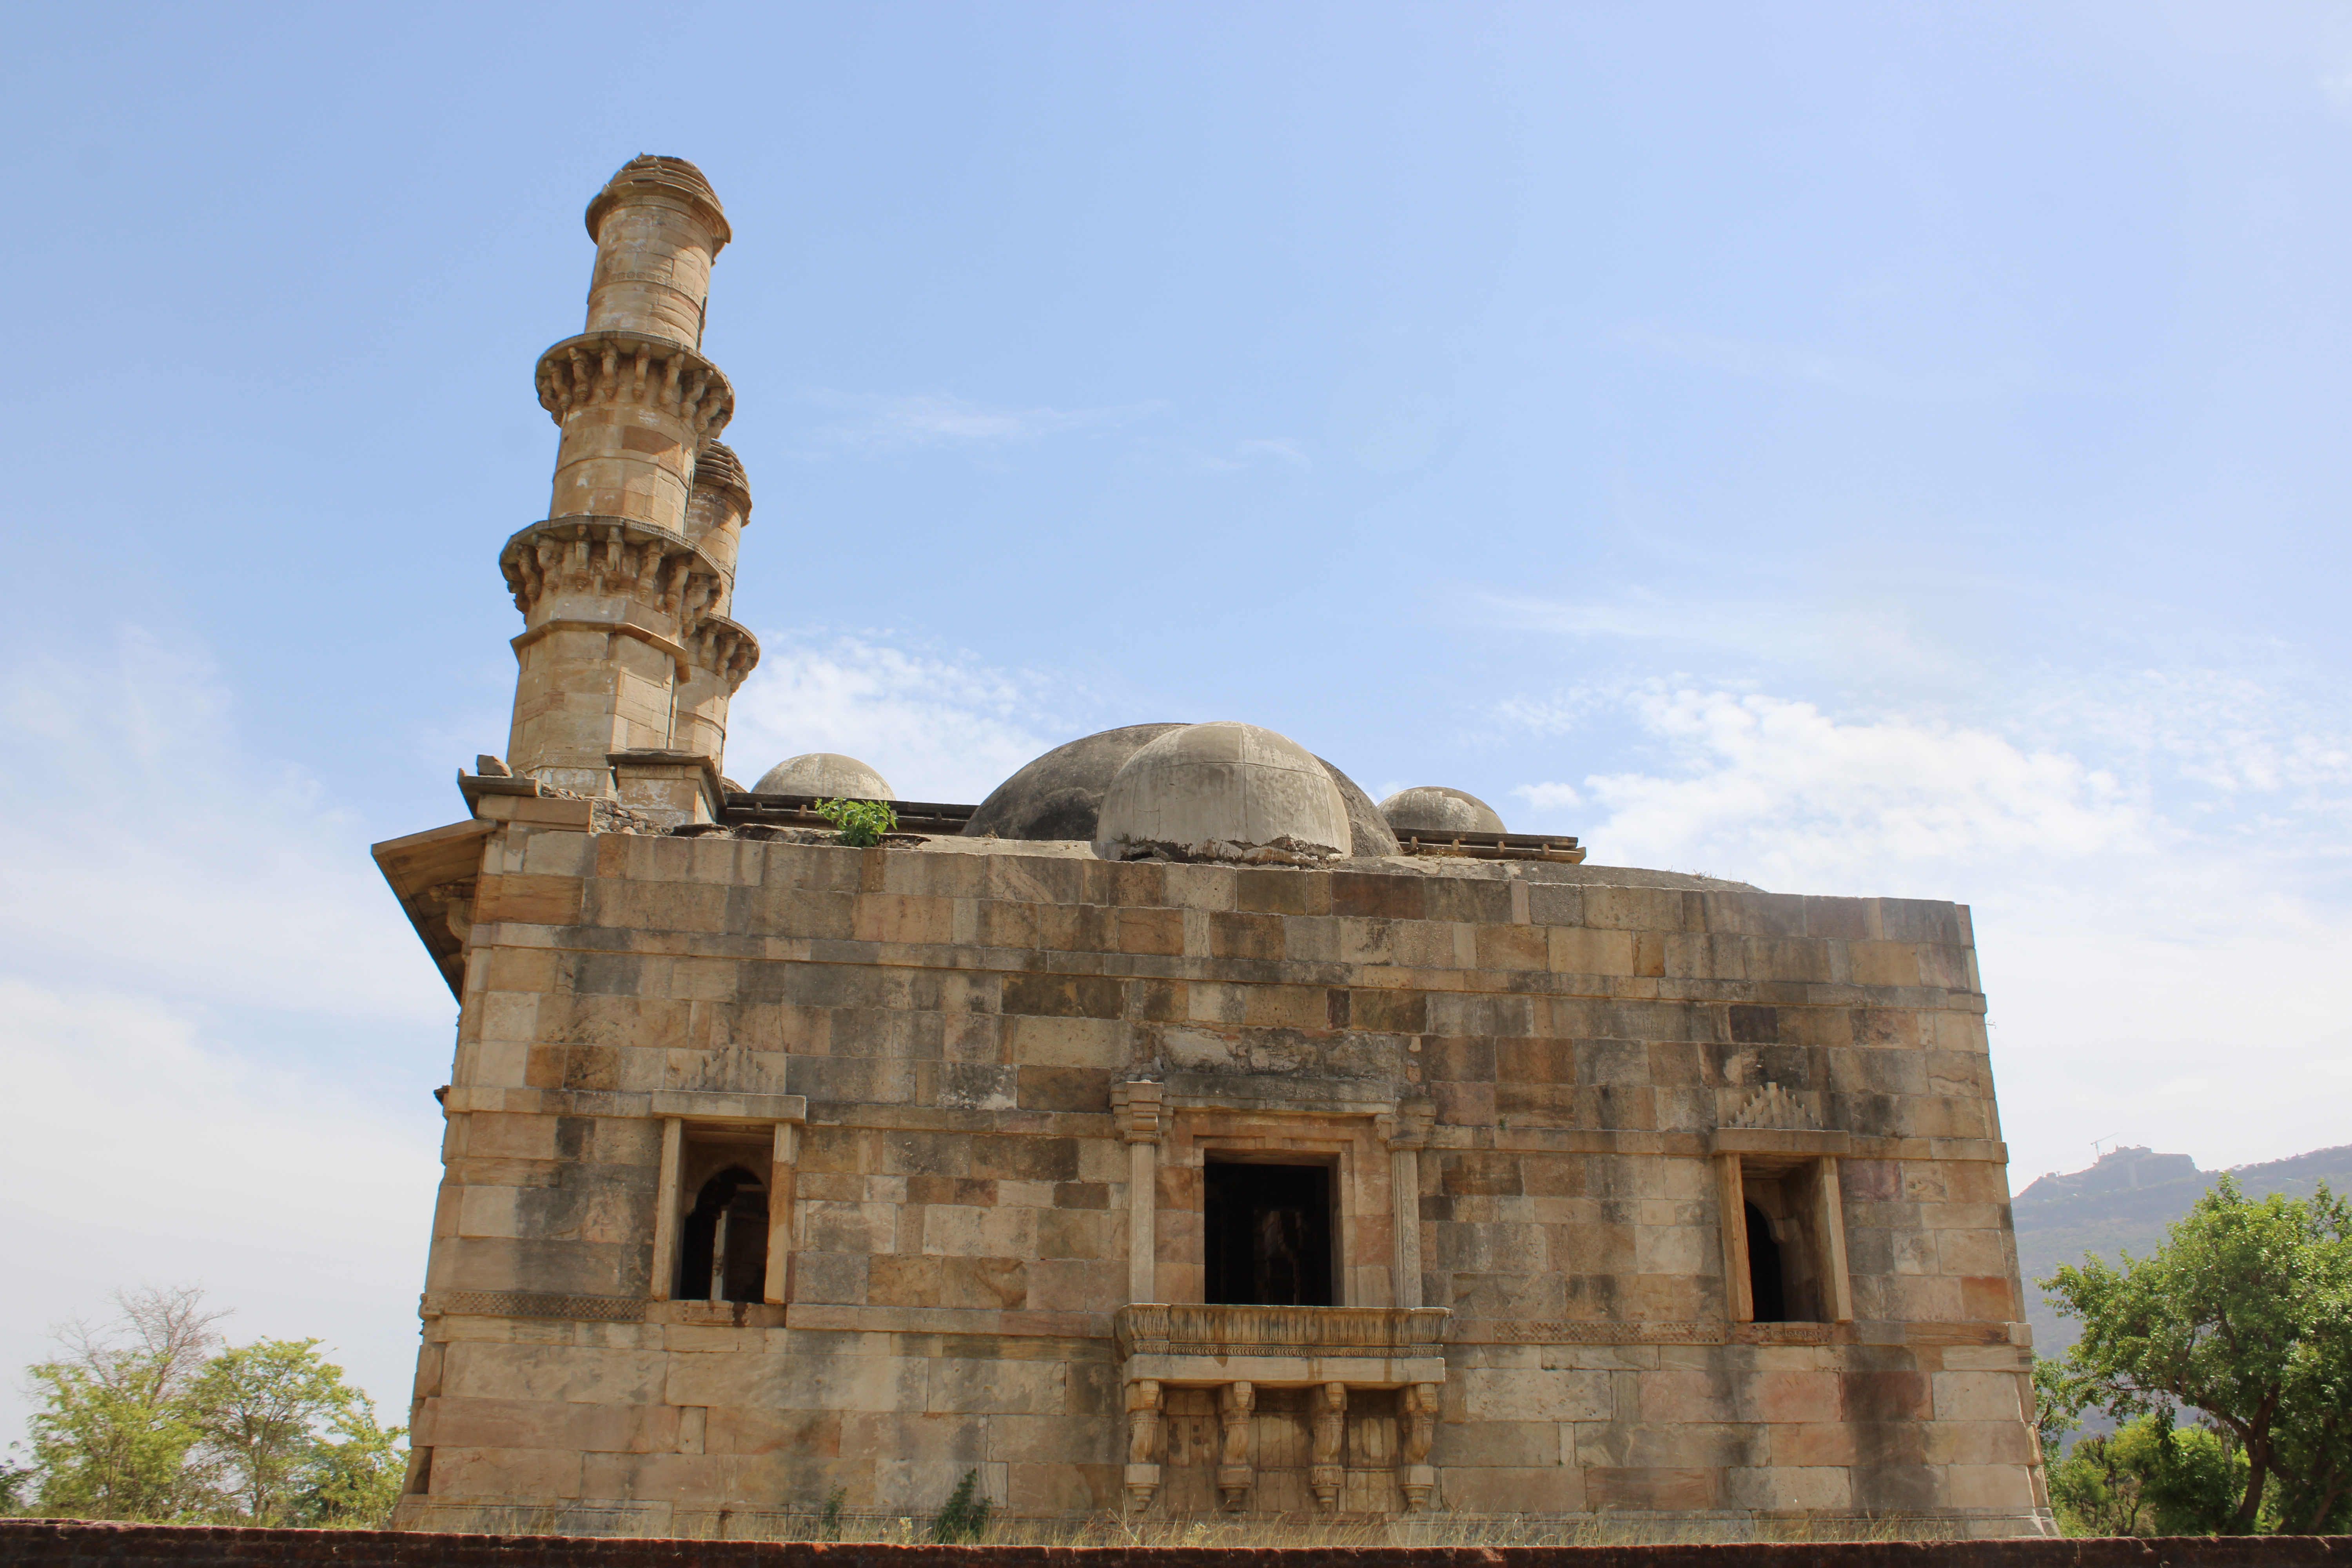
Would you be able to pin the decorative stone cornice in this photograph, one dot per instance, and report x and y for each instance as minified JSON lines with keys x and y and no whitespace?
{"x":671,"y":181}
{"x":724,"y":647}
{"x":611,"y":555}
{"x":639,"y":370}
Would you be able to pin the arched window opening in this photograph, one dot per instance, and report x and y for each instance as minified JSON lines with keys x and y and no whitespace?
{"x":723,"y":1253}
{"x":1765,"y":1280}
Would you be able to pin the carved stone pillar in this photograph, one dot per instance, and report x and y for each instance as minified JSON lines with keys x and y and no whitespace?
{"x":1236,"y":1401}
{"x":1330,"y":1423}
{"x":1418,"y":1477}
{"x":1138,"y":1106}
{"x":1406,"y":1134}
{"x":1144,"y":1434}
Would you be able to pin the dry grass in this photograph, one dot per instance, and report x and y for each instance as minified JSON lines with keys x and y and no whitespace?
{"x":1438,"y":1529}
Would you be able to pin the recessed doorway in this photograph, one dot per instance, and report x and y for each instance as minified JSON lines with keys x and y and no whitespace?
{"x":1268,"y":1233}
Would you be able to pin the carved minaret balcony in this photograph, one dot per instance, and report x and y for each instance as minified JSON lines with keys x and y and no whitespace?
{"x":625,"y":587}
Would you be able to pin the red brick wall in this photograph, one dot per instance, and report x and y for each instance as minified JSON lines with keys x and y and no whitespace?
{"x":43,"y":1543}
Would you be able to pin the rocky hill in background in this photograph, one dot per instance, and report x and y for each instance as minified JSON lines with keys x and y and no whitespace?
{"x":2126,"y":1202}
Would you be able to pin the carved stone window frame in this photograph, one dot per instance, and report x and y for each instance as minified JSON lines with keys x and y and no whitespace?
{"x":683,"y":1113}
{"x":1741,"y":1154}
{"x":1182,"y":1120}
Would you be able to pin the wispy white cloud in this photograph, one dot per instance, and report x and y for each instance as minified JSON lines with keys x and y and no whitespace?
{"x":872,"y":425}
{"x":938,"y":727}
{"x":139,"y":841}
{"x":149,"y":1150}
{"x":1549,"y":796}
{"x":205,"y":990}
{"x":2151,"y":866}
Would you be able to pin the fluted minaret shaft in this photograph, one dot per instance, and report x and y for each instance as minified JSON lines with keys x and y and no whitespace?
{"x":617,"y":584}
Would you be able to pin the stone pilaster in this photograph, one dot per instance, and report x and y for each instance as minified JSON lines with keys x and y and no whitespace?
{"x":1138,"y":1106}
{"x":1406,"y":1134}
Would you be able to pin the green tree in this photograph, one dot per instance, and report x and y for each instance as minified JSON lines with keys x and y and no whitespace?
{"x":147,"y":1418}
{"x":2245,"y":1317}
{"x":293,"y":1442}
{"x":2149,"y":1479}
{"x":114,"y":1437}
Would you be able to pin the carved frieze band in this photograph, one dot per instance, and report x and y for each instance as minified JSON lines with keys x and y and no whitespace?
{"x":612,"y":555}
{"x":528,"y":1304}
{"x":599,"y":368}
{"x":1509,"y":1332}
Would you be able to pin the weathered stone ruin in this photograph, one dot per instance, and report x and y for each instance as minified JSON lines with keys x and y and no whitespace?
{"x":1176,"y":1133}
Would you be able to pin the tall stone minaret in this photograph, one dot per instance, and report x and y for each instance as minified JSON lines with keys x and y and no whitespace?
{"x":628,"y":657}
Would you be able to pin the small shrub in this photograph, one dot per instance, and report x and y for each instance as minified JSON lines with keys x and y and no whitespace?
{"x":965,"y":1517}
{"x":828,"y":1520}
{"x":862,"y":822}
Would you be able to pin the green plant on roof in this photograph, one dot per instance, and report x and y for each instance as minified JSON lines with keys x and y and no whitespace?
{"x":862,"y":822}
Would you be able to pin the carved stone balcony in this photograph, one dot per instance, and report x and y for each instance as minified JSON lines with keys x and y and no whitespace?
{"x":1362,"y":1347}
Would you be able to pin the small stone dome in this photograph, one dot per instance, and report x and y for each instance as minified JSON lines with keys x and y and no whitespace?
{"x":827,"y":773}
{"x":1223,"y":791}
{"x":1433,"y":808}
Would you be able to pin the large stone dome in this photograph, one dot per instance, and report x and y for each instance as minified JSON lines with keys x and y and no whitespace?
{"x":827,"y":773}
{"x":1223,"y":791}
{"x":1060,"y":794}
{"x":1433,"y":808}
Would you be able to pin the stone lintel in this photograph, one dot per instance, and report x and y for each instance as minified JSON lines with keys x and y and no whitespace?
{"x":1799,"y":1144}
{"x":742,"y":1110}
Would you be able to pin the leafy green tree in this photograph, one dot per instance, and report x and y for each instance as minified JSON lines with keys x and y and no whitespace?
{"x":2245,"y":1317}
{"x":114,"y":1437}
{"x":294,"y":1442}
{"x":149,"y":1419}
{"x":2149,"y":1479}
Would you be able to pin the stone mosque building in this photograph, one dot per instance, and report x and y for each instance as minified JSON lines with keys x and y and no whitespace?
{"x":1176,"y":1133}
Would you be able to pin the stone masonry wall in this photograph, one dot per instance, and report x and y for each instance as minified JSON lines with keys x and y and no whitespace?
{"x":957,"y":1016}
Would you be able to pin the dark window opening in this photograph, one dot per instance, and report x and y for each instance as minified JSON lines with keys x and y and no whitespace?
{"x":1269,"y":1239}
{"x":1764,"y":1281}
{"x":723,"y":1254}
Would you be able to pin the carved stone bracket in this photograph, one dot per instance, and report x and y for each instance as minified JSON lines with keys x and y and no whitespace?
{"x":724,"y":647}
{"x":1418,"y":1477}
{"x":637,"y":369}
{"x":1145,"y":1426}
{"x":1236,"y":1401}
{"x":1327,"y":1423}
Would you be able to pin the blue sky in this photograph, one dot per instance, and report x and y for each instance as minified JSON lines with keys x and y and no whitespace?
{"x":1860,"y":449}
